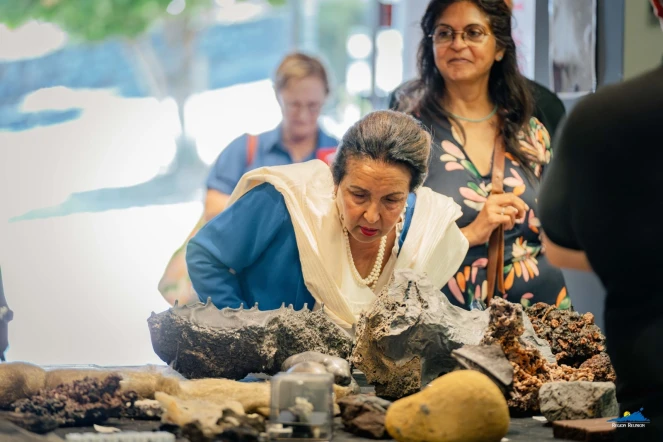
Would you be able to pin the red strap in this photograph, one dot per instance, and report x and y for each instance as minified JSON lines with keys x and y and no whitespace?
{"x":251,"y":145}
{"x":326,"y":154}
{"x":658,"y":7}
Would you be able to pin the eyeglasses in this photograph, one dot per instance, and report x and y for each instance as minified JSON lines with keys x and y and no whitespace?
{"x":472,"y":35}
{"x":295,"y":107}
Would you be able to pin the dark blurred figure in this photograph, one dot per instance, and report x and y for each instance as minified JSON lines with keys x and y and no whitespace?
{"x":6,"y":315}
{"x":602,"y":213}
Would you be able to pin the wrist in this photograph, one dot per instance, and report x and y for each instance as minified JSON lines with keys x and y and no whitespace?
{"x":470,"y":235}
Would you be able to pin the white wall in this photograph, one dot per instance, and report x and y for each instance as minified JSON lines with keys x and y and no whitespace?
{"x":407,"y":16}
{"x":643,"y":40}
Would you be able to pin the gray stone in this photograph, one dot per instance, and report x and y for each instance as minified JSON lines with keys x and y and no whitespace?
{"x":307,"y":367}
{"x":201,"y":341}
{"x":577,"y":400}
{"x":489,"y":360}
{"x":339,"y":367}
{"x":405,"y":339}
{"x":531,"y":339}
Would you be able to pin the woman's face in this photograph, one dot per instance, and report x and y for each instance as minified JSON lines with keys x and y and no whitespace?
{"x":371,"y":198}
{"x":468,"y":60}
{"x":301,"y":101}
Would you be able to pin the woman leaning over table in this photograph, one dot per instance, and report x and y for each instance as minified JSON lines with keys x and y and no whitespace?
{"x":307,"y":234}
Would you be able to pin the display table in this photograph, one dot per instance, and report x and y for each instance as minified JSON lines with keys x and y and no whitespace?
{"x":521,"y":430}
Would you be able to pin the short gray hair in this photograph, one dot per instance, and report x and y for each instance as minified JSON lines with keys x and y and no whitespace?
{"x":297,"y":66}
{"x":390,"y":137}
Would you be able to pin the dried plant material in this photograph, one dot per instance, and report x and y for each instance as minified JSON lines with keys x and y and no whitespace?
{"x":61,"y":376}
{"x":147,"y":382}
{"x":573,"y":338}
{"x":142,"y":409}
{"x":201,"y":420}
{"x":602,"y":368}
{"x":81,"y":403}
{"x":19,"y":380}
{"x":253,"y":396}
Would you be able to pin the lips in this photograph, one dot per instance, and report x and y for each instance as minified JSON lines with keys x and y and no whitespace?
{"x":368,"y":232}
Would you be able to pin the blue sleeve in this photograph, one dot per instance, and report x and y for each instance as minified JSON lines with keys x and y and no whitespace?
{"x":229,"y":167}
{"x":231,"y":242}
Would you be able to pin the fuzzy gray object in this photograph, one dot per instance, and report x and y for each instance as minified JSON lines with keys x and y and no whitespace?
{"x":405,"y":339}
{"x":202,"y":341}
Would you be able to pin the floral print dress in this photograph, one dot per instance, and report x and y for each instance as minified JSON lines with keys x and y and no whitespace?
{"x":529,"y":277}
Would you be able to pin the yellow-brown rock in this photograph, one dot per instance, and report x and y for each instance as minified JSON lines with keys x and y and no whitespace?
{"x":19,"y":380}
{"x":460,"y":406}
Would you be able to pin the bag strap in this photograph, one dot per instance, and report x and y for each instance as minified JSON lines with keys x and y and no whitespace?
{"x":251,"y":146}
{"x":496,"y":241}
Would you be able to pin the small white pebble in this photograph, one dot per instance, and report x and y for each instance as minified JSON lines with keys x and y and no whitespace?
{"x":106,"y":430}
{"x":540,"y":418}
{"x":504,"y":439}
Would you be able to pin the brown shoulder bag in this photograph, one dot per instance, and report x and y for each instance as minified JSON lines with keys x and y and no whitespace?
{"x":496,"y":241}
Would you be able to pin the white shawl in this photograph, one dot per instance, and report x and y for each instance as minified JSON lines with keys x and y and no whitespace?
{"x":434,"y":245}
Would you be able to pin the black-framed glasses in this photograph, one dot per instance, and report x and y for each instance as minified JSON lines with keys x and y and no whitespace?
{"x":444,"y":35}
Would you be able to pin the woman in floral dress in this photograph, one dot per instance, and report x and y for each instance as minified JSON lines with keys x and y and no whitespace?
{"x":472,"y":97}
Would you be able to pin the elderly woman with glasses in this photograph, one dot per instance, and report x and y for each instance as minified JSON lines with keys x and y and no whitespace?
{"x":307,"y":234}
{"x":302,"y":86}
{"x":472,"y":96}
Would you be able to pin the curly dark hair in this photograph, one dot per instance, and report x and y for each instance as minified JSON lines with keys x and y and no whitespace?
{"x":507,"y":87}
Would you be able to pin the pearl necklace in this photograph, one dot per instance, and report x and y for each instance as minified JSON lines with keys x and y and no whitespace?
{"x":372,"y":279}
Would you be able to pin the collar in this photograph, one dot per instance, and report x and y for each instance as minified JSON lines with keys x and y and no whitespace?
{"x":271,"y":140}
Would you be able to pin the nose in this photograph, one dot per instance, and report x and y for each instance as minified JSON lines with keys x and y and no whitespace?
{"x":372,"y":214}
{"x":301,"y":113}
{"x":458,"y":42}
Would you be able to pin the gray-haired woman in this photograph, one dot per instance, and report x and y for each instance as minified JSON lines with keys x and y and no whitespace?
{"x":305,"y":233}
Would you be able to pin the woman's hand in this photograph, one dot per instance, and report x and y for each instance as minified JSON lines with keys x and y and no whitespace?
{"x":504,"y":209}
